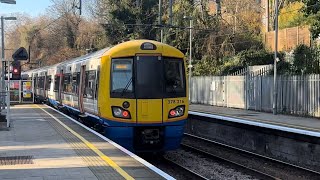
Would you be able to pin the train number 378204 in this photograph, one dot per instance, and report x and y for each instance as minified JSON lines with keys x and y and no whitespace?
{"x":178,"y":101}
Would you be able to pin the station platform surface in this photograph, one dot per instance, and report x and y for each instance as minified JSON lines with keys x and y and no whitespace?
{"x":290,"y":123}
{"x":43,"y":144}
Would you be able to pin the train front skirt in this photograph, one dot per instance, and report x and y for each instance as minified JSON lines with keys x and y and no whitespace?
{"x":160,"y":137}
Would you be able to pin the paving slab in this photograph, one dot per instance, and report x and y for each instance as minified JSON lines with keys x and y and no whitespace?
{"x":52,"y":152}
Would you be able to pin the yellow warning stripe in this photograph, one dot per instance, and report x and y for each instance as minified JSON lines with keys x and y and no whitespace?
{"x":93,"y":148}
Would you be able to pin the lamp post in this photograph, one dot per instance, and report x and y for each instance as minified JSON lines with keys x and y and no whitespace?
{"x":3,"y":69}
{"x":190,"y":54}
{"x":274,"y":106}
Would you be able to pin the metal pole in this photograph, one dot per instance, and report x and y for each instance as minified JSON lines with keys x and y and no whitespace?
{"x":8,"y":96}
{"x":274,"y":107}
{"x":3,"y":64}
{"x":160,"y":20}
{"x":190,"y":60}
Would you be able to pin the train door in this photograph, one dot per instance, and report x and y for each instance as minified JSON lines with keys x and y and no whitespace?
{"x":45,"y":93}
{"x":96,"y":85}
{"x":148,"y":87}
{"x":35,"y":80}
{"x":60,"y":87}
{"x":82,"y":88}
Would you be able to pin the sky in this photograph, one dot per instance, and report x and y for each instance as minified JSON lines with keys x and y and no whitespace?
{"x":31,"y":7}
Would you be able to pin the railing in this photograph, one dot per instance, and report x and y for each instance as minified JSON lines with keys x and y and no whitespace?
{"x":298,"y":95}
{"x":259,"y":70}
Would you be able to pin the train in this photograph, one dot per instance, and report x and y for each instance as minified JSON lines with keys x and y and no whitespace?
{"x":134,"y":93}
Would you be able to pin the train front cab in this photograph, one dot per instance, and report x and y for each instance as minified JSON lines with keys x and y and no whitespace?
{"x":146,"y":105}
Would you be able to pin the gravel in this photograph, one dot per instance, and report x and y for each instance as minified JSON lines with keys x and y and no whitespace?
{"x":206,"y":167}
{"x":267,"y":166}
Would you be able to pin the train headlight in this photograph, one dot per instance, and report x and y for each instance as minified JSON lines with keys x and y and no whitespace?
{"x":177,"y":112}
{"x":119,"y":112}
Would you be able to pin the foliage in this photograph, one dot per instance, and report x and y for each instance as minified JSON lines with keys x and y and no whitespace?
{"x":291,"y":16}
{"x":312,"y":11}
{"x":242,"y":60}
{"x":305,"y":61}
{"x":127,"y":19}
{"x":252,"y":57}
{"x":60,"y":36}
{"x":221,"y":43}
{"x":206,"y":67}
{"x":232,"y":64}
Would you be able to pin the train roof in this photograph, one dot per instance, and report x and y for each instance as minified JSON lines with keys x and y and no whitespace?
{"x":134,"y":46}
{"x":128,"y":47}
{"x":96,"y":54}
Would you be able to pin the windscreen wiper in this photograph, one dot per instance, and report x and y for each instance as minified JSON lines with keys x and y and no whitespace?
{"x":127,"y":86}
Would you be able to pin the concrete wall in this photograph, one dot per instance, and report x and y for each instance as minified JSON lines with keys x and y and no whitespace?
{"x":301,"y":150}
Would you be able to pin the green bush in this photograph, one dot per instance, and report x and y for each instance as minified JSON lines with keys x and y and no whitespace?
{"x":305,"y":61}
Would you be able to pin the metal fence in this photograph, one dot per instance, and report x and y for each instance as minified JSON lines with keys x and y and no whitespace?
{"x":295,"y":94}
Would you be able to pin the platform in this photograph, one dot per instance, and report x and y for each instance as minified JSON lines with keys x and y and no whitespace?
{"x":295,"y":124}
{"x":45,"y":144}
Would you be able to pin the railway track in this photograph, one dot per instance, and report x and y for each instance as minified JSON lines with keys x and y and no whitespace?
{"x":187,"y":173}
{"x":235,"y":165}
{"x":171,"y":167}
{"x":253,"y":171}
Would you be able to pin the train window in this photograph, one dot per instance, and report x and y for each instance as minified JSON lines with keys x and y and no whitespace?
{"x":48,"y":83}
{"x":67,"y":87}
{"x":56,"y":82}
{"x":75,"y":83}
{"x":90,"y":84}
{"x":150,"y":86}
{"x":97,"y":83}
{"x":35,"y":82}
{"x":121,"y":74}
{"x":174,"y":76}
{"x":41,"y":82}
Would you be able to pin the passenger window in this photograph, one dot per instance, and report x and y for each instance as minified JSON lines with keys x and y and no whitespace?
{"x":67,"y":87}
{"x":56,"y":83}
{"x":97,"y":83}
{"x":75,"y":83}
{"x":90,"y":84}
{"x":48,"y":83}
{"x":35,"y":82}
{"x":41,"y":82}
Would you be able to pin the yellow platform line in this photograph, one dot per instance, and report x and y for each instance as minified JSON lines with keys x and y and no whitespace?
{"x":93,"y":148}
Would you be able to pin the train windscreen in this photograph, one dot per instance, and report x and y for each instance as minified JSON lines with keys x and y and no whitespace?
{"x":174,"y":78}
{"x":149,"y":77}
{"x":121,"y":78}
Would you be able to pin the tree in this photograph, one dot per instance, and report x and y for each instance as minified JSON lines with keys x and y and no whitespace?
{"x":291,"y":15}
{"x":304,"y":60}
{"x":312,"y":11}
{"x":57,"y":37}
{"x":68,"y":19}
{"x":127,"y":19}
